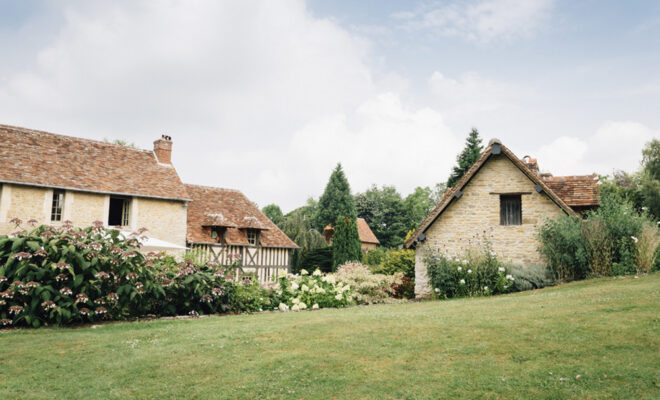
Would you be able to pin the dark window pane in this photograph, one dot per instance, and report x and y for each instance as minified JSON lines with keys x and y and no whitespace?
{"x":510,"y":210}
{"x":56,"y":208}
{"x":118,"y":215}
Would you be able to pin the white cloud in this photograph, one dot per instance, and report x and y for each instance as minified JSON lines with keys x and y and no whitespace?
{"x":481,"y":21}
{"x":616,"y":145}
{"x":229,"y":81}
{"x":403,"y":147}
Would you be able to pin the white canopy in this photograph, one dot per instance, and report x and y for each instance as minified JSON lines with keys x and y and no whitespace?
{"x":153,"y":244}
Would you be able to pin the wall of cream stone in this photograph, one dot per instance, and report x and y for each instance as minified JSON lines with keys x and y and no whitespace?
{"x":463,"y":222}
{"x":165,"y":219}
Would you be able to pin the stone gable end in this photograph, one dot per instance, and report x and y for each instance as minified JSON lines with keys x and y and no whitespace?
{"x":477,"y":212}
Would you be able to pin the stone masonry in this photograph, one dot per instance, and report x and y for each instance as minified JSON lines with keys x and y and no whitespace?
{"x":477,"y":212}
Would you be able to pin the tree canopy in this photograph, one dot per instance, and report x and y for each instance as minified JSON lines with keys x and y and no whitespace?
{"x":274,"y":213}
{"x":466,"y":158}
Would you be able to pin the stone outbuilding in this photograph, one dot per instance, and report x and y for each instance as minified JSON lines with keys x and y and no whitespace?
{"x":503,"y":198}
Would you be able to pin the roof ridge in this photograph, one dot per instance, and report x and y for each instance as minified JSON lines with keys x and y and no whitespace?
{"x":28,"y":131}
{"x":474,"y":168}
{"x":213,"y":187}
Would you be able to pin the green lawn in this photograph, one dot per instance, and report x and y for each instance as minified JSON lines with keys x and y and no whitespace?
{"x":591,"y":339}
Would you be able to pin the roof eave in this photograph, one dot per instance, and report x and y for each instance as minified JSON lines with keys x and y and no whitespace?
{"x":94,"y":191}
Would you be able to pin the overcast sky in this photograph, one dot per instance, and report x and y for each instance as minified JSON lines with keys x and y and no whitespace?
{"x":267,"y":96}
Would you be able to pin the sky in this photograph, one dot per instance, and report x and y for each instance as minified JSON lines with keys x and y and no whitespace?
{"x":267,"y":97}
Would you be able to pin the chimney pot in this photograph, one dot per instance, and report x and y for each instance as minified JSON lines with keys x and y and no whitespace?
{"x":163,"y":149}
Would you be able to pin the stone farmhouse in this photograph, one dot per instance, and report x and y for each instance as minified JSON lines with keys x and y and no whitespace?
{"x":368,"y":240}
{"x":504,"y":198}
{"x":54,"y":178}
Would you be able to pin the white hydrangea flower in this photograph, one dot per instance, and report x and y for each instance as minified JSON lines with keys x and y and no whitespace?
{"x":437,"y":290}
{"x":462,"y":281}
{"x":316,"y":305}
{"x":304,"y":272}
{"x":469,"y":271}
{"x":501,"y":269}
{"x":460,"y":268}
{"x":510,"y":277}
{"x":338,"y":296}
{"x":294,"y":285}
{"x":485,"y":287}
{"x":283,"y":307}
{"x":317,"y":272}
{"x":304,"y":288}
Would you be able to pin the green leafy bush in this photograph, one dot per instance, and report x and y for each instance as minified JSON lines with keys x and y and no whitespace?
{"x":299,"y":292}
{"x":473,"y":276}
{"x":369,"y":288}
{"x":530,"y":277}
{"x":62,"y":275}
{"x":602,"y":244}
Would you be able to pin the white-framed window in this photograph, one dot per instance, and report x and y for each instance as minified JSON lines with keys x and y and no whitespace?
{"x":119,"y":212}
{"x":57,"y":205}
{"x":253,"y":237}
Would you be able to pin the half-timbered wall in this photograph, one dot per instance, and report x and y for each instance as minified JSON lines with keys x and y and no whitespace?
{"x":266,"y":262}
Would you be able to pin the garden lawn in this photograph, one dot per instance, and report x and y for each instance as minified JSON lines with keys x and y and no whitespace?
{"x":591,"y":339}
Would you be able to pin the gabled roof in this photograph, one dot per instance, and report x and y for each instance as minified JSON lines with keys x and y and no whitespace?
{"x":576,"y":191}
{"x":45,"y":159}
{"x":451,"y":194}
{"x":366,"y":235}
{"x":364,"y":231}
{"x":229,"y":209}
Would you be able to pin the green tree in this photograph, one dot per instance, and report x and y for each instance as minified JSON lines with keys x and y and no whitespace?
{"x":336,"y":200}
{"x":385,"y":212}
{"x":346,"y":241}
{"x":274,"y":213}
{"x":466,"y":158}
{"x":297,"y":225}
{"x":419,"y":204}
{"x":650,"y":185}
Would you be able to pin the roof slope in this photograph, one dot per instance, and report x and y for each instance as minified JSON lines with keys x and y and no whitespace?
{"x":366,"y":235}
{"x":576,"y":191}
{"x":485,"y":156}
{"x":46,"y":159}
{"x":233,"y":210}
{"x":364,"y":231}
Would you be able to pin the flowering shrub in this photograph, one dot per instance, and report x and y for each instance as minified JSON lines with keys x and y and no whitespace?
{"x":604,"y":243}
{"x":369,"y":288}
{"x":393,"y":261}
{"x":60,"y":275}
{"x":473,"y":276}
{"x":298,"y":292}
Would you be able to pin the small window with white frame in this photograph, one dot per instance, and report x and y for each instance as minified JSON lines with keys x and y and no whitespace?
{"x":57,"y":205}
{"x":253,"y":237}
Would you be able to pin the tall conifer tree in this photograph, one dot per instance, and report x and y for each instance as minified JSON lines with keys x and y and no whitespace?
{"x":336,"y":200}
{"x":467,"y":157}
{"x":346,"y":241}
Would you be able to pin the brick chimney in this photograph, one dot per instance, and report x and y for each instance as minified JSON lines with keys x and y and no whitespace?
{"x":531,"y":164}
{"x":163,"y":149}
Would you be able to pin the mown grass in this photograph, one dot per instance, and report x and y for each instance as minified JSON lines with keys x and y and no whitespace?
{"x":592,"y":339}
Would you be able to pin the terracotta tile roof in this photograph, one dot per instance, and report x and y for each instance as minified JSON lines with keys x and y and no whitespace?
{"x":576,"y":191}
{"x":450,"y":194}
{"x":233,"y":211}
{"x":365,"y":233}
{"x":46,"y":159}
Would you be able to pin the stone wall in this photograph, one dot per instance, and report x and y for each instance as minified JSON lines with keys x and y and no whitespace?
{"x":165,"y":219}
{"x":463,"y":224}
